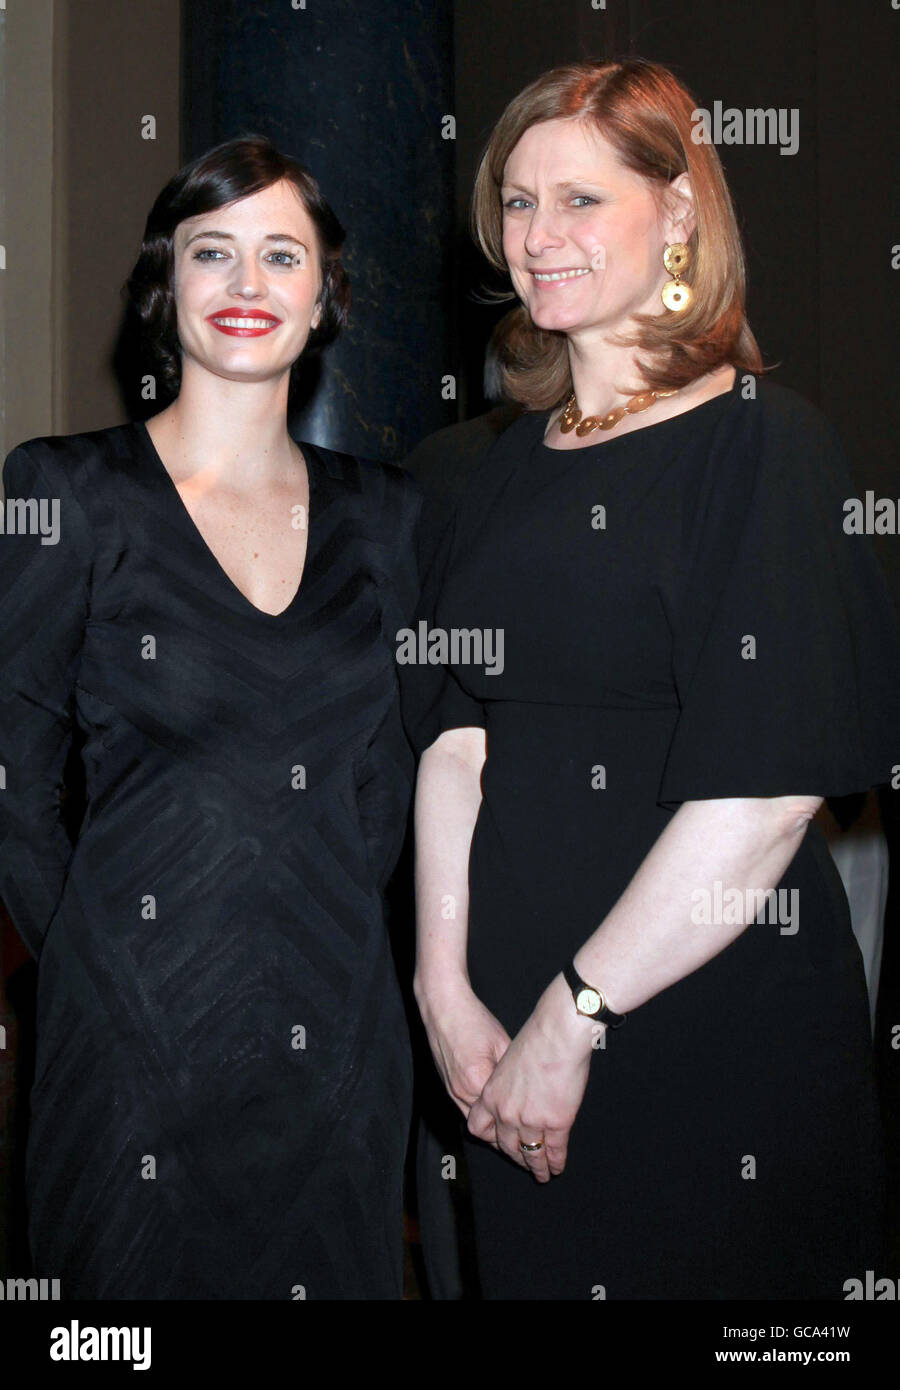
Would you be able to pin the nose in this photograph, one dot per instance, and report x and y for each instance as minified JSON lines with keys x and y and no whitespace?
{"x":541,"y":233}
{"x":247,"y":280}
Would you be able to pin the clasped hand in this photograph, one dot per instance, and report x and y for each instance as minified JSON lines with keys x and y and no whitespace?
{"x":528,"y":1088}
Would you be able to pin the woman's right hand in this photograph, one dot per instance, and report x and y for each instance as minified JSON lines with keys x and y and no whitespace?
{"x":466,"y":1040}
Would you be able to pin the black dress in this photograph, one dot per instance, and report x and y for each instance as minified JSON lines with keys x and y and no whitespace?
{"x":223,"y":1079}
{"x":630,"y":685}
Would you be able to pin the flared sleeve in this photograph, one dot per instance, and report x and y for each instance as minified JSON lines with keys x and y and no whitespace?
{"x":785,"y":640}
{"x":45,"y":569}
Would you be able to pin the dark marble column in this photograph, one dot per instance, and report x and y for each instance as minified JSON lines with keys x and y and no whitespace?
{"x":358,"y":92}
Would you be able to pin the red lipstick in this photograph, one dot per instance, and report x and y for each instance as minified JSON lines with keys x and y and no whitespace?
{"x":243,"y":322}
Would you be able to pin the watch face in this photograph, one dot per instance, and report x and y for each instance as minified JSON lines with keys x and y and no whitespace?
{"x":588,"y":1001}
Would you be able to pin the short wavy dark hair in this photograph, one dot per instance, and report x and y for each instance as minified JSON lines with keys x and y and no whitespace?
{"x":236,"y":169}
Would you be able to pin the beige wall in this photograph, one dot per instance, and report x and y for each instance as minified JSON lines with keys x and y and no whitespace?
{"x":27,"y":374}
{"x":82,"y":74}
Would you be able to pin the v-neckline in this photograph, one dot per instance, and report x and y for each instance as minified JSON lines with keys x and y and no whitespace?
{"x":169,"y":486}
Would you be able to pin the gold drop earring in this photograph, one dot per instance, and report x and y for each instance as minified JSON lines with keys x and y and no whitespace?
{"x":676,"y":295}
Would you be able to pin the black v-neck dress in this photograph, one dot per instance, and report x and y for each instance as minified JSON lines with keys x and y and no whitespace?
{"x":684,"y":618}
{"x":223,"y":1080}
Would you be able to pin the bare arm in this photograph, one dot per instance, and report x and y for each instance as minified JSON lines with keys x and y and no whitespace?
{"x":466,"y":1039}
{"x":448,"y":797}
{"x":650,"y":938}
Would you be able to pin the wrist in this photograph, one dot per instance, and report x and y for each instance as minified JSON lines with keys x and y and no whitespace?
{"x":559,"y":1020}
{"x":591,"y":999}
{"x":434,"y":989}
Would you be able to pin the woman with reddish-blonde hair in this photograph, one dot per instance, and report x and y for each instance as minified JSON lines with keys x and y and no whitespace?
{"x":687,"y":654}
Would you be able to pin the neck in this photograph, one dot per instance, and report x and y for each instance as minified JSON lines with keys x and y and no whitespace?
{"x":604,"y":374}
{"x":235,"y":431}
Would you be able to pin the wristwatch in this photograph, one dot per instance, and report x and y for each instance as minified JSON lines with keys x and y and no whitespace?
{"x":590,"y":1001}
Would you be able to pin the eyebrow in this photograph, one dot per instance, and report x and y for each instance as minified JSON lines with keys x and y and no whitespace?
{"x":563,"y":184}
{"x":228,"y":236}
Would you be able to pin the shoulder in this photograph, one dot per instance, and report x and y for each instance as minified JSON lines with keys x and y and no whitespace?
{"x":522,"y":431}
{"x":799,"y":448}
{"x":772,"y":465}
{"x":55,"y":486}
{"x":450,"y":454}
{"x":364,"y":475}
{"x":773,"y":437}
{"x":383,"y":488}
{"x":497,"y":455}
{"x":70,"y":462}
{"x":771,"y":490}
{"x":497,"y":462}
{"x":384,"y":502}
{"x":787,"y":430}
{"x":785,"y":413}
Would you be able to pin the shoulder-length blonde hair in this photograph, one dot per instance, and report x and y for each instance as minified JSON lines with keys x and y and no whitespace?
{"x":645,"y":114}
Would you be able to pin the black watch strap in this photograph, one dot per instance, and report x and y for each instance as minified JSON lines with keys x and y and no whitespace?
{"x":589,"y":1001}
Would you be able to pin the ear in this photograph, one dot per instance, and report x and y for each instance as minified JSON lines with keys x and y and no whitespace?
{"x":679,"y":217}
{"x":317,"y":316}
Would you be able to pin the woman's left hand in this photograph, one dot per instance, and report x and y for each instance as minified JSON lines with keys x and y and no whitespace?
{"x":535,"y":1090}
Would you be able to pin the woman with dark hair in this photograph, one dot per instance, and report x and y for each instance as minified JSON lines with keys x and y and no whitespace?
{"x":222,"y":1089}
{"x":694,"y":655}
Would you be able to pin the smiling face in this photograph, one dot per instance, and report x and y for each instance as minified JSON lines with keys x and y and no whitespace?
{"x":246,"y":283}
{"x":583,"y":235}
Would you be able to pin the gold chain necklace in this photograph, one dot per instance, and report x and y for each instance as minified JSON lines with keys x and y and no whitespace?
{"x":571,"y":418}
